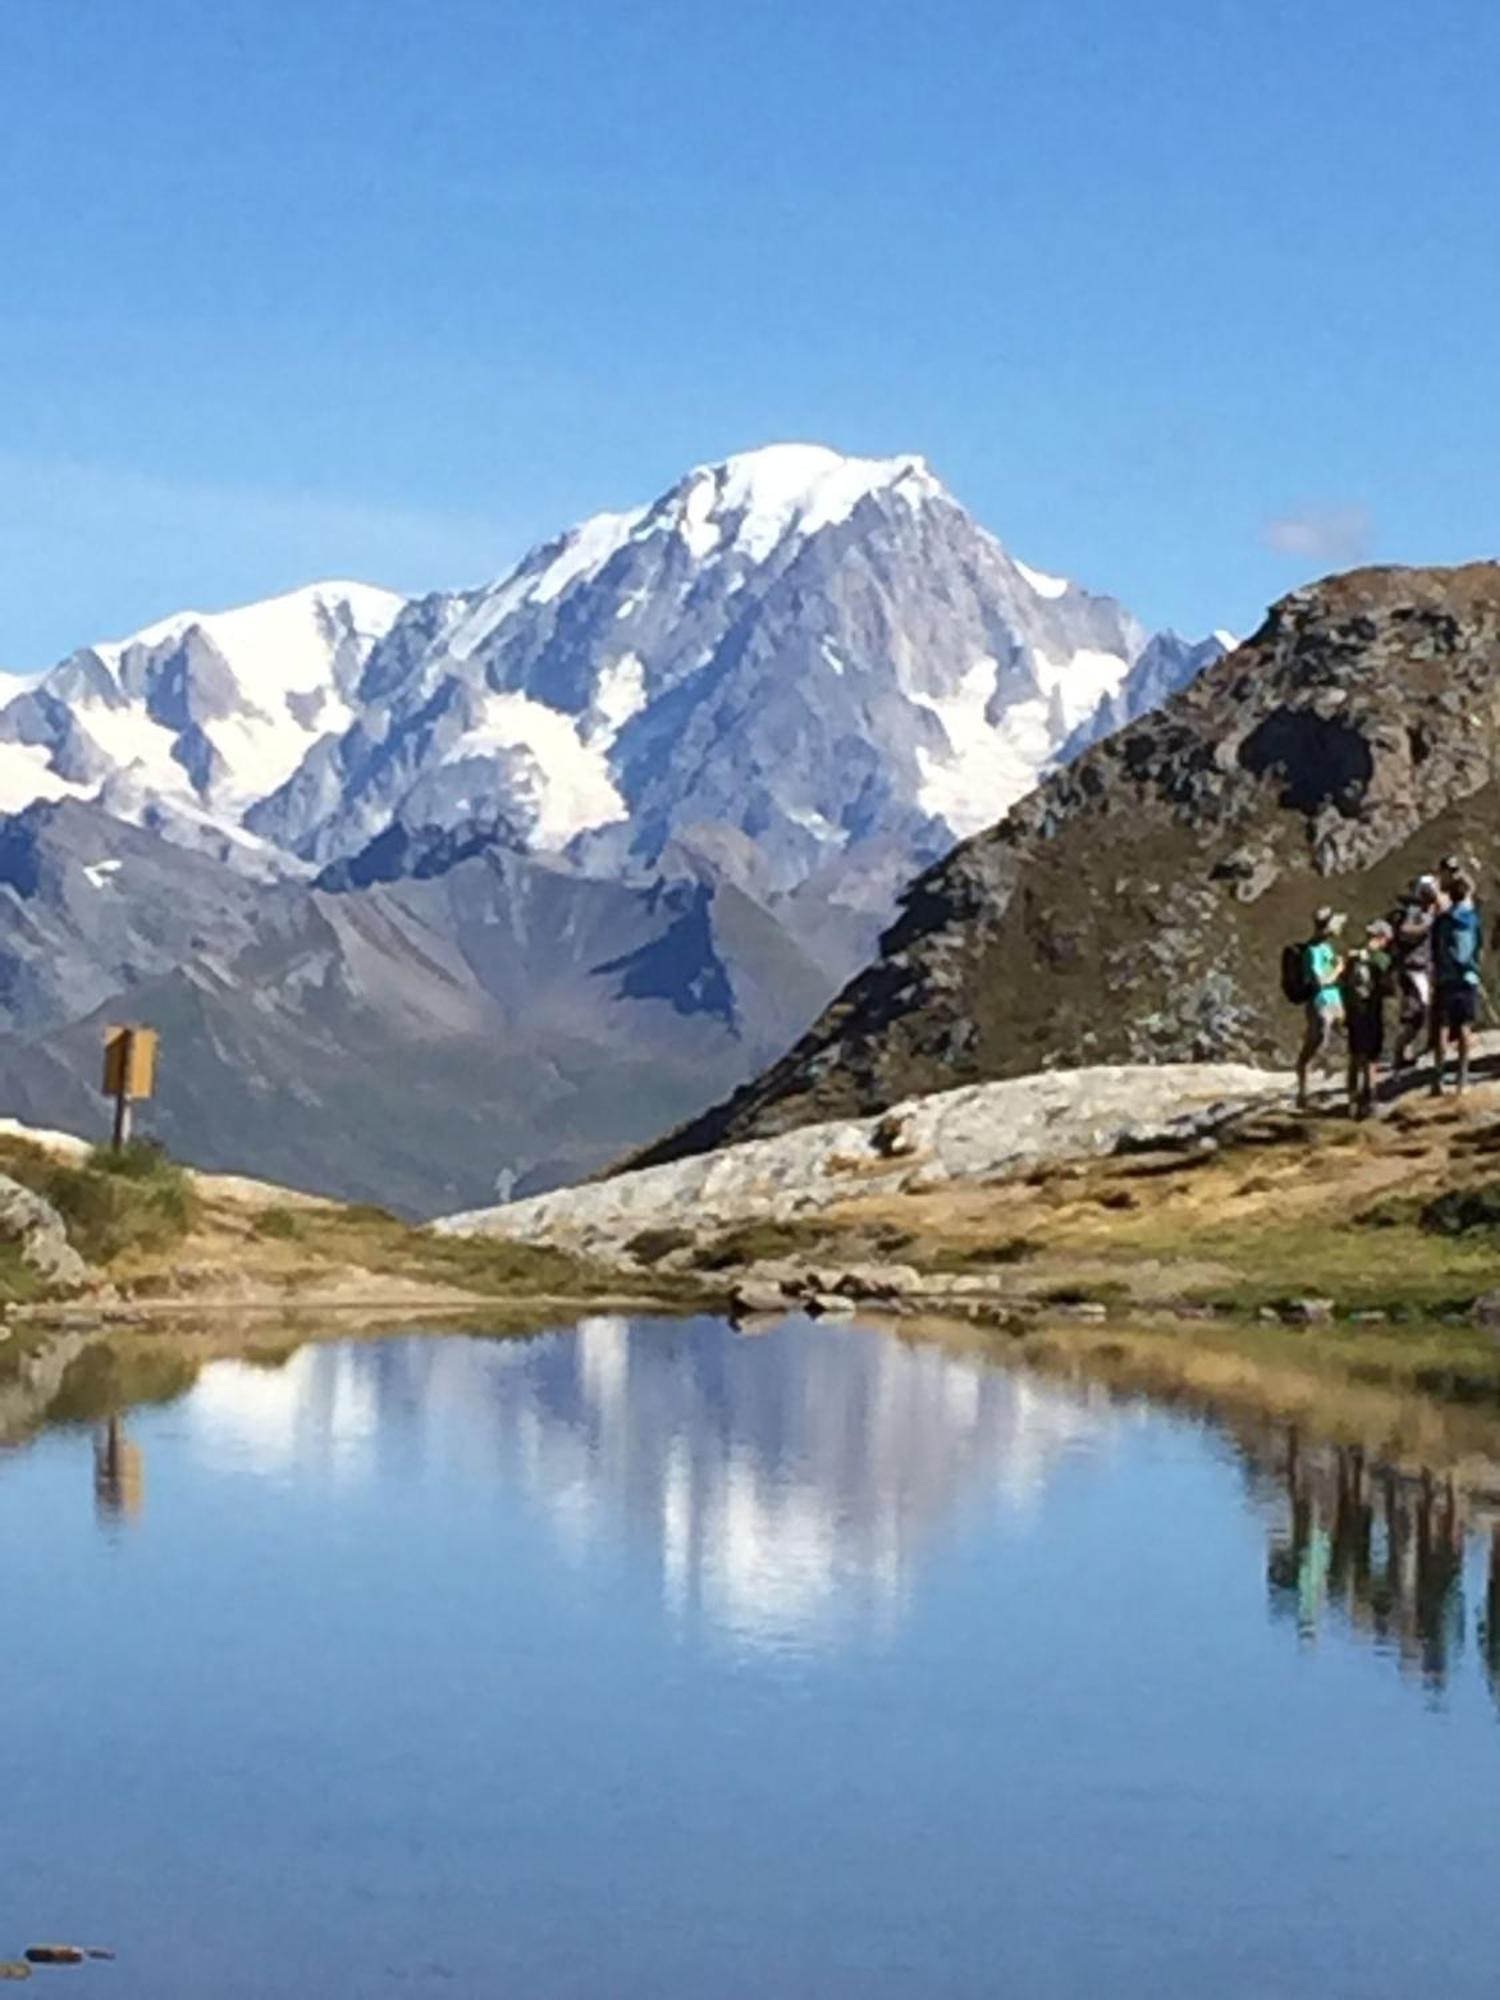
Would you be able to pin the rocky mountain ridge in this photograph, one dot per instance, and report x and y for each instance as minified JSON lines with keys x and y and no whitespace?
{"x":785,"y":659}
{"x":407,"y":1039}
{"x":1132,"y":907}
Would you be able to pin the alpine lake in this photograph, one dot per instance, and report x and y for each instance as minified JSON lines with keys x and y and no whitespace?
{"x":659,"y":1658}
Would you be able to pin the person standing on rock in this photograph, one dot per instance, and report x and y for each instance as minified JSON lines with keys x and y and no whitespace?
{"x":1365,"y":984}
{"x":1412,"y":952}
{"x":1455,"y":957}
{"x":1322,"y":968}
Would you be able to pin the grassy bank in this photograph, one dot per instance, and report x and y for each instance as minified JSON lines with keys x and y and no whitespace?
{"x":157,"y":1235}
{"x":1398,"y":1217}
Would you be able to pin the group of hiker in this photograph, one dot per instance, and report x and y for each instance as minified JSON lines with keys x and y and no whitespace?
{"x":1425,"y":955}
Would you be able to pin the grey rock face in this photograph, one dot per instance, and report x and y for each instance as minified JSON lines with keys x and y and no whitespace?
{"x":1166,"y":665}
{"x":953,"y":1135}
{"x":40,"y":1234}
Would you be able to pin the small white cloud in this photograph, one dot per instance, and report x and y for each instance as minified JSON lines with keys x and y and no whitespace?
{"x":1321,"y":534}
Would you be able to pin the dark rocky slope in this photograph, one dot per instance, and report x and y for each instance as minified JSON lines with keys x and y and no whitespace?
{"x":1133,"y":906}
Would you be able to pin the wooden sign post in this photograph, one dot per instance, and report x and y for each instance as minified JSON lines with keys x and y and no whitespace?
{"x":129,"y":1074}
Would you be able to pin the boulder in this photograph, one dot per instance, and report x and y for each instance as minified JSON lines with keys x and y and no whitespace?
{"x":1485,"y":1311}
{"x":870,"y":1282}
{"x":41,"y":1235}
{"x":755,"y":1298}
{"x":1308,"y":1312}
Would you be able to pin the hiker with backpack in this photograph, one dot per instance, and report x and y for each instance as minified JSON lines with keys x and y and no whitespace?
{"x":1455,"y":955}
{"x":1365,"y":985}
{"x":1310,"y":974}
{"x":1411,"y":948}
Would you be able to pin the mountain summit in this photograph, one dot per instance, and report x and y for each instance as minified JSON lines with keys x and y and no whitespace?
{"x":792,"y":661}
{"x":784,"y":657}
{"x":494,"y":884}
{"x":190,"y":722}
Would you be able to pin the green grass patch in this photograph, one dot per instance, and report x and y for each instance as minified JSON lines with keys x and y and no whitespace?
{"x":958,"y":1258}
{"x":370,"y":1239}
{"x":136,"y":1201}
{"x":19,"y":1284}
{"x":758,"y":1242}
{"x":278,"y":1225}
{"x":651,"y":1245}
{"x":111,"y":1203}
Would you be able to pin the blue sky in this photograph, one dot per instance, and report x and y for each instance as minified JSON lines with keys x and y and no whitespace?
{"x":1191,"y":300}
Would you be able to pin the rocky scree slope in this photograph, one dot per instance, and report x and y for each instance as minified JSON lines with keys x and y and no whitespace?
{"x":1132,"y":908}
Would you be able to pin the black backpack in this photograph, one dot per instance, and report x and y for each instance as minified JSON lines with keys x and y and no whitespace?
{"x":1295,"y":982}
{"x":1361,"y":978}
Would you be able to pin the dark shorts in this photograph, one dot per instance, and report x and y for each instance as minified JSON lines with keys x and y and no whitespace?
{"x":1366,"y":1032}
{"x":1457,"y":1007}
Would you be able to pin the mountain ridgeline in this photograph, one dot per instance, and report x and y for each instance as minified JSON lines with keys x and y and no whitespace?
{"x":1133,"y":906}
{"x":496,"y":883}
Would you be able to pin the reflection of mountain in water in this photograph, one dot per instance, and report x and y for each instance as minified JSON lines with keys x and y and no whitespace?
{"x":774,"y":1478}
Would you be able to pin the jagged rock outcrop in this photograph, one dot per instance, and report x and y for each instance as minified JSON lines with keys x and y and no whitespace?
{"x":1131,"y":908}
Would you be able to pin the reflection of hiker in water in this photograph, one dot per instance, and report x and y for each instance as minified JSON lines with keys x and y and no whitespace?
{"x":1437,"y":1613}
{"x":1323,"y":1002}
{"x":1412,"y":950}
{"x":1385,"y":1552}
{"x":1455,"y":955}
{"x":1365,"y":985}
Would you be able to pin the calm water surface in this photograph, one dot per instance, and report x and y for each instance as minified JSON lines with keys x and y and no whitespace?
{"x":654,"y":1660}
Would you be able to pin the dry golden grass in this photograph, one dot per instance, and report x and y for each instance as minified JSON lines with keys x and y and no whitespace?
{"x":1285,"y":1208}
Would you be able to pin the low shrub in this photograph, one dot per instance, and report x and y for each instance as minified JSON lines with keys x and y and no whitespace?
{"x":651,"y":1245}
{"x":138,"y":1199}
{"x":278,"y":1224}
{"x":1463,"y":1209}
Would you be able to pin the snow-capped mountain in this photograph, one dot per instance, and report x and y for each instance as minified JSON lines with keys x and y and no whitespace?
{"x":811,"y":650}
{"x":502,"y":882}
{"x":787,"y":656}
{"x":192,"y":721}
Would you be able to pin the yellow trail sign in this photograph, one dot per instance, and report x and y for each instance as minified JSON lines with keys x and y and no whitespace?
{"x":129,"y":1063}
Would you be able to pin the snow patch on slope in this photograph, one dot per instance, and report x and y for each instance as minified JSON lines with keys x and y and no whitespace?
{"x":280,"y":642}
{"x":25,"y":776}
{"x":562,"y":783}
{"x":990,"y":763}
{"x":1043,"y":584}
{"x":619,"y":695}
{"x":262,"y":678}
